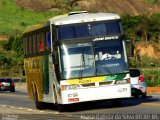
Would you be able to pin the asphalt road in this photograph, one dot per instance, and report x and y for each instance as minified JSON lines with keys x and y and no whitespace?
{"x":17,"y":106}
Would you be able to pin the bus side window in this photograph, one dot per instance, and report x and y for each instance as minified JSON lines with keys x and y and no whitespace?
{"x":34,"y":43}
{"x":44,"y":41}
{"x":39,"y":42}
{"x":27,"y":45}
{"x":31,"y":45}
{"x":48,"y":40}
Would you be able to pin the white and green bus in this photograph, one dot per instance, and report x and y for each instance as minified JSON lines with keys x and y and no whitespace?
{"x":77,"y":57}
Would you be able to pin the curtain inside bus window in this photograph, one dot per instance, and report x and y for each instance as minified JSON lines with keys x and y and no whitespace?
{"x":48,"y":38}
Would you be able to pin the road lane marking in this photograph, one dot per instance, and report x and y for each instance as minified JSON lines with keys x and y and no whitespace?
{"x":12,"y":106}
{"x":151,"y":104}
{"x":41,"y":111}
{"x":56,"y":113}
{"x":29,"y":109}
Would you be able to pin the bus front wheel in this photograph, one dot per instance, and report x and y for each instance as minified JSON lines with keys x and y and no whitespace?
{"x":63,"y":108}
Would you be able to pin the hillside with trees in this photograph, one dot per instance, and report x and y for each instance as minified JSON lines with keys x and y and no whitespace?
{"x":132,"y":7}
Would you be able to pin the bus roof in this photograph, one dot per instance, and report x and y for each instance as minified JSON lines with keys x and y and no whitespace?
{"x":35,"y":27}
{"x":84,"y":17}
{"x":75,"y":18}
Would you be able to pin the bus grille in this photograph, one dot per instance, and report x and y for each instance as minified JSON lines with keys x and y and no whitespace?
{"x":88,"y":85}
{"x":105,"y":83}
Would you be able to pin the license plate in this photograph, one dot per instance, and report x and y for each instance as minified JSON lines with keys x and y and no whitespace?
{"x":73,"y":99}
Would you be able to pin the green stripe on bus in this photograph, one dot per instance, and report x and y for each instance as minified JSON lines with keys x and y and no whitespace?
{"x":45,"y":74}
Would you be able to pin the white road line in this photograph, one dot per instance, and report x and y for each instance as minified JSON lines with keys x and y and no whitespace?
{"x":56,"y":113}
{"x":41,"y":111}
{"x":29,"y":109}
{"x":12,"y":106}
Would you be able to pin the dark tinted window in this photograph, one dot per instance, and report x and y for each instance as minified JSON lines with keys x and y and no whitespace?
{"x":109,"y":57}
{"x":134,"y":72}
{"x":6,"y":80}
{"x":89,"y":30}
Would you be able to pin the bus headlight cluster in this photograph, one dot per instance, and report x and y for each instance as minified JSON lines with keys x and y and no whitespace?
{"x":125,"y":81}
{"x":69,"y":87}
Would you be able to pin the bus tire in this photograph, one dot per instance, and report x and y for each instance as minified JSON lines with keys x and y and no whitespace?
{"x":136,"y":96}
{"x":116,"y":102}
{"x":39,"y":105}
{"x":61,"y":108}
{"x":144,"y":95}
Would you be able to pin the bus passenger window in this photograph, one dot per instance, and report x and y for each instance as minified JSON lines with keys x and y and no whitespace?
{"x":30,"y":45}
{"x":44,"y":41}
{"x":48,"y":40}
{"x":39,"y":42}
{"x":34,"y":44}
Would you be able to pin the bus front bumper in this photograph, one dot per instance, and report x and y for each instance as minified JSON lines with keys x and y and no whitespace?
{"x":95,"y":93}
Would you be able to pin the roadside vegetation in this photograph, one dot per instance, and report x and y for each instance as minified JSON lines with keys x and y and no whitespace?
{"x":152,"y":77}
{"x":144,"y":31}
{"x":13,"y":20}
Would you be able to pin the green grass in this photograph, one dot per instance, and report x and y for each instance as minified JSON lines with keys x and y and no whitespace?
{"x":13,"y":19}
{"x":152,"y":1}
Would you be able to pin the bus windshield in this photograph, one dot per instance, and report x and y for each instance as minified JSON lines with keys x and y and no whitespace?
{"x":89,"y":29}
{"x":77,"y":60}
{"x":110,"y":57}
{"x":92,"y":59}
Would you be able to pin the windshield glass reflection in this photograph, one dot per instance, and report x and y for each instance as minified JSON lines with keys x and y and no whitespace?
{"x":109,"y":57}
{"x":92,"y":59}
{"x":77,"y":60}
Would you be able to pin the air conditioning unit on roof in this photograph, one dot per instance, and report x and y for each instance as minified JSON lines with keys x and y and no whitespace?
{"x":77,"y":12}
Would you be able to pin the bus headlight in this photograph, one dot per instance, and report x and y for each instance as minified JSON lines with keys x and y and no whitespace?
{"x":125,"y":81}
{"x":68,"y":87}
